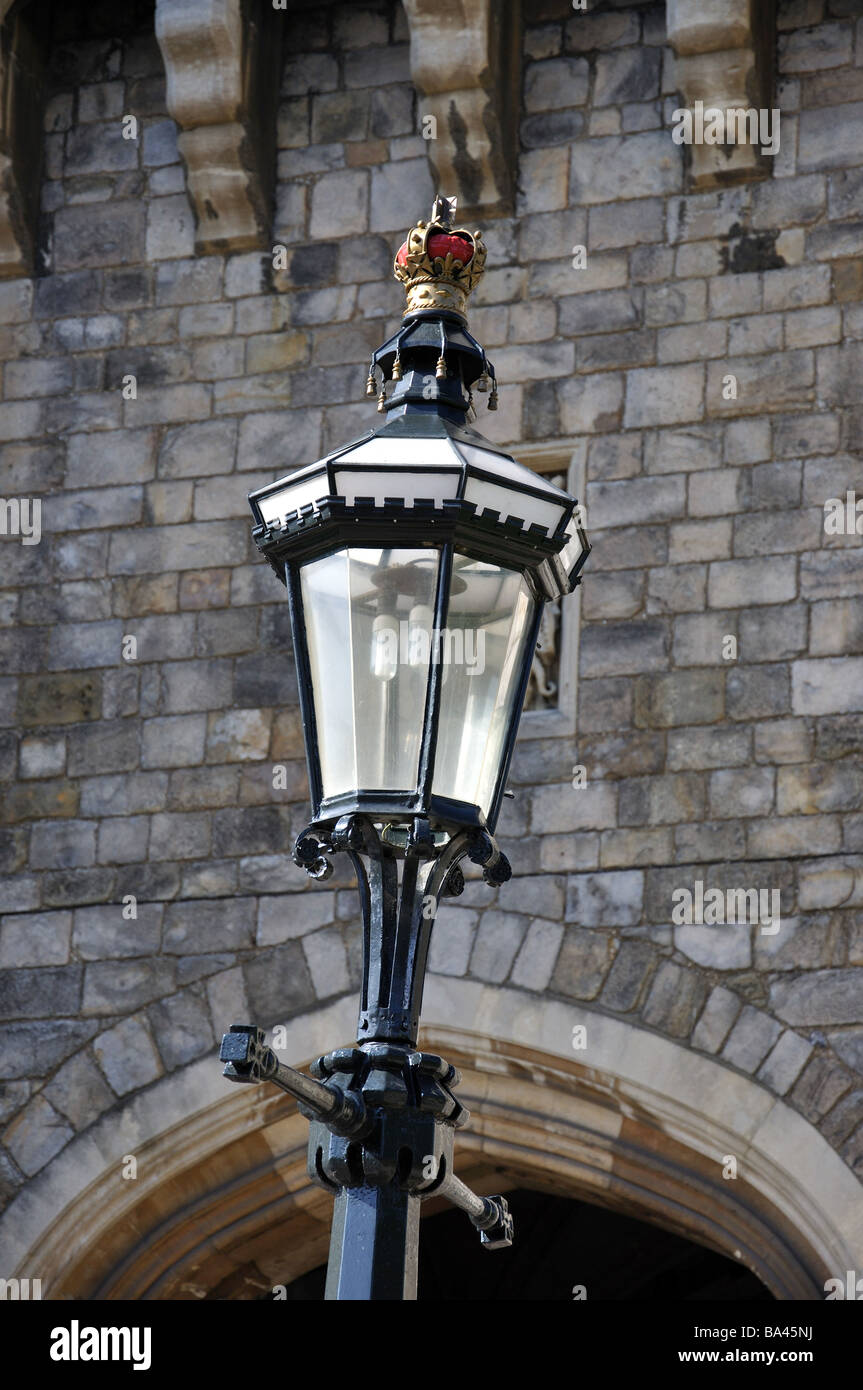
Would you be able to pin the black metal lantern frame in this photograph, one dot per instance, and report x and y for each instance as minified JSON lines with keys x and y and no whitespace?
{"x":550,"y":563}
{"x":423,"y":483}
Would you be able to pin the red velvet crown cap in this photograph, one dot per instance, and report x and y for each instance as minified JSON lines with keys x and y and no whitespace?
{"x":439,"y":244}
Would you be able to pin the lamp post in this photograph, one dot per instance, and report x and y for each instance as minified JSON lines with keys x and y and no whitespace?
{"x":417,"y":561}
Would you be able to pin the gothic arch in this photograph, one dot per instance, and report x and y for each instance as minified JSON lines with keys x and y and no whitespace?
{"x":636,"y":1122}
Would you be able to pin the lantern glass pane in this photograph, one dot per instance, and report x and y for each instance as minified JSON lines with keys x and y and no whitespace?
{"x":484,"y":651}
{"x":369,"y":615}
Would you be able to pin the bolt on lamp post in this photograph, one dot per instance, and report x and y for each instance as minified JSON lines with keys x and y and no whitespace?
{"x":417,"y":561}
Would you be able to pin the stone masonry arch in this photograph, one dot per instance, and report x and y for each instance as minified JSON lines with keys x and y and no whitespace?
{"x":222,"y":1203}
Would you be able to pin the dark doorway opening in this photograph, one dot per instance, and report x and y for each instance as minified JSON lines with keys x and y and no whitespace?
{"x":562,"y":1244}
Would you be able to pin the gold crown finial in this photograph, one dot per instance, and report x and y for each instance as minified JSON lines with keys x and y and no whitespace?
{"x":439,"y":264}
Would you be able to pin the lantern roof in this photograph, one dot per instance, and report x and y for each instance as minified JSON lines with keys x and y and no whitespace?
{"x":425,"y":476}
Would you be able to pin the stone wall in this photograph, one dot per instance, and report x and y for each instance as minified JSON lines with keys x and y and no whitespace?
{"x":151,"y":777}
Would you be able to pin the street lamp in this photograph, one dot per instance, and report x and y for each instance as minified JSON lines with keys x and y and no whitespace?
{"x":417,"y":561}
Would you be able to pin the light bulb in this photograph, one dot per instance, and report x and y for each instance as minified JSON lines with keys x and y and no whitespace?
{"x":420,"y":620}
{"x":385,"y":647}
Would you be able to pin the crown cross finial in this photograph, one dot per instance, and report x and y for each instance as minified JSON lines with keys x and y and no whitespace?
{"x":443,"y":212}
{"x":440,"y":264}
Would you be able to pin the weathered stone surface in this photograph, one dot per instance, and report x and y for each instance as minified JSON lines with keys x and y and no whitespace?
{"x":127,"y":1056}
{"x":675,"y":998}
{"x":717,"y":1019}
{"x":327,"y":961}
{"x":827,"y":996}
{"x":40,"y":938}
{"x":181,"y":1028}
{"x":79,"y":1091}
{"x":784,"y":1062}
{"x":37,"y":1048}
{"x":632,"y":968}
{"x":119,"y":987}
{"x":207,"y":926}
{"x":452,"y":940}
{"x":278,"y":983}
{"x":584,"y":961}
{"x":496,"y":942}
{"x":750,"y":1039}
{"x":36,"y":1136}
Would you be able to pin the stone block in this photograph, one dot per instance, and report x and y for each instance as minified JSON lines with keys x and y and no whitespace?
{"x":564,"y":808}
{"x":200,"y":926}
{"x":821,"y":1084}
{"x":583,"y":964}
{"x":679,"y":697}
{"x":278,"y":983}
{"x":827,"y":686}
{"x":751,"y":1038}
{"x":127,"y":1056}
{"x":784,"y":1062}
{"x":37,"y":1048}
{"x":738,"y":792}
{"x":591,"y":405}
{"x":793,"y":836}
{"x":42,"y":757}
{"x":645,"y":165}
{"x":79,"y":1091}
{"x":40,"y":938}
{"x":179,"y":835}
{"x":452,"y":940}
{"x":816,"y":47}
{"x":551,"y":128}
{"x":544,"y":176}
{"x":122,"y":986}
{"x":496,"y":943}
{"x":36,"y":1136}
{"x":676,"y":589}
{"x":181,"y":1027}
{"x":731,"y":583}
{"x":63,"y":844}
{"x":804,"y":790}
{"x":616,"y":595}
{"x":716,"y":1020}
{"x":606,"y":899}
{"x":782,"y":741}
{"x":632,"y":968}
{"x":674,"y":1001}
{"x":226,"y":993}
{"x":624,"y":648}
{"x":123,"y":840}
{"x":99,"y":235}
{"x":534,"y":963}
{"x":797,"y":287}
{"x":664,"y":395}
{"x":551,"y":85}
{"x":758,"y":693}
{"x":286,"y":916}
{"x":173,"y":741}
{"x":327,"y":961}
{"x":698,"y":638}
{"x":40,"y":992}
{"x":103,"y":932}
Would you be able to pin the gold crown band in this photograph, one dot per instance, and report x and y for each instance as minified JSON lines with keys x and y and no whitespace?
{"x":438,"y":282}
